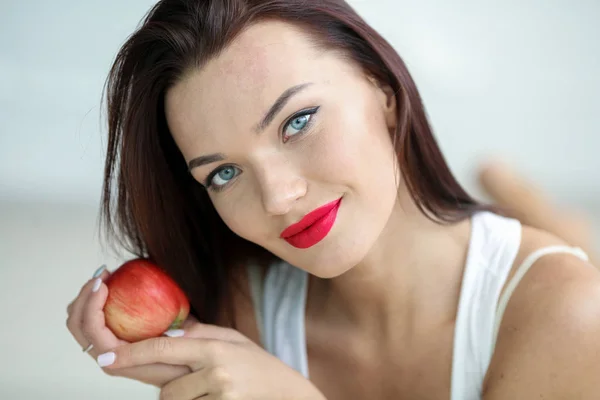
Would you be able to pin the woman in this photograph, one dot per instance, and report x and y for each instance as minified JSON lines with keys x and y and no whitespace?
{"x":274,"y":156}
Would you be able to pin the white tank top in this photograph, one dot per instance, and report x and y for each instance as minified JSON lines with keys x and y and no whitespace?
{"x":280,"y":299}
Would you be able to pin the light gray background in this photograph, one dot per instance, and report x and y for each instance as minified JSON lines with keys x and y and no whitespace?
{"x":517,"y":79}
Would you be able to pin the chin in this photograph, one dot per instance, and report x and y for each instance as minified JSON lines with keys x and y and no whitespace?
{"x":326,"y":263}
{"x":335,"y":255}
{"x":329,"y":273}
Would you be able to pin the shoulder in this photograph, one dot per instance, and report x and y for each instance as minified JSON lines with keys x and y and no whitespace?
{"x":549,"y":340}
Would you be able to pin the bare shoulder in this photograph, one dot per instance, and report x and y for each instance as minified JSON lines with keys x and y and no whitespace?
{"x":549,"y":340}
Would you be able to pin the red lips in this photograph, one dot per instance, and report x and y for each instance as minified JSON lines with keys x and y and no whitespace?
{"x":313,"y":227}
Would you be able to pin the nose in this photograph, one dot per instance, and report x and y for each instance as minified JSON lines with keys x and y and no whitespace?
{"x":281,"y":187}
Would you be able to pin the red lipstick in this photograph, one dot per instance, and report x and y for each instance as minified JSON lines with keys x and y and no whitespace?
{"x":313,"y":228}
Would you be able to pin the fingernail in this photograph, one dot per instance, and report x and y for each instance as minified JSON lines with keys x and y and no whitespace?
{"x":106,"y":359}
{"x":175,"y":332}
{"x":97,"y":285}
{"x":99,"y":271}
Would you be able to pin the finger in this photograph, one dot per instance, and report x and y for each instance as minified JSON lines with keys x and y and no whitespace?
{"x":73,"y":306}
{"x":75,"y":311}
{"x":194,"y":329}
{"x":189,"y":322}
{"x":93,"y":325}
{"x":156,"y":374}
{"x":188,"y":387}
{"x":195,"y":353}
{"x":76,"y":306}
{"x":79,"y":298}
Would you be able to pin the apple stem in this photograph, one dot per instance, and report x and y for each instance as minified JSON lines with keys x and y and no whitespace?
{"x":176,"y":324}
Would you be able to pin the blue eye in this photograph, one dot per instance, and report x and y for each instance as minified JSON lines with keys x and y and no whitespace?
{"x":298,"y":123}
{"x":221,"y":177}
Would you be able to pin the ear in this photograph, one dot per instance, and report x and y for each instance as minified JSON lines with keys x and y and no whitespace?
{"x":387,"y":100}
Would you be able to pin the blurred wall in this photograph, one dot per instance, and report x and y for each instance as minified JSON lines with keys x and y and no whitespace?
{"x":517,"y":78}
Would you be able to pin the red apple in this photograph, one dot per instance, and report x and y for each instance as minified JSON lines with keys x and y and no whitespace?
{"x":143,"y":301}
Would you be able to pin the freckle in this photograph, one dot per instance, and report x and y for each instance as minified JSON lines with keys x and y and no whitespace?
{"x":502,"y":375}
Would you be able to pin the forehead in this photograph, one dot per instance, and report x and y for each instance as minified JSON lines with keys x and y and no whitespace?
{"x":259,"y":62}
{"x":234,"y":89}
{"x":262,"y":55}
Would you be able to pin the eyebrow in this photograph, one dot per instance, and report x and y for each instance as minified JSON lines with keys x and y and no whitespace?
{"x":278,"y":106}
{"x":258,"y":128}
{"x":203,"y":160}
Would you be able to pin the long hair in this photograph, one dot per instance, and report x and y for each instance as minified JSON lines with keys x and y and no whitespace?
{"x":154,"y":208}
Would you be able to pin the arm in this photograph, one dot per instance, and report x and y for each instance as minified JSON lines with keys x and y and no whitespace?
{"x":526,"y":201}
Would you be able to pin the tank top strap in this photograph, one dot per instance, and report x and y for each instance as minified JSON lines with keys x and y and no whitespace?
{"x":493,"y":246}
{"x":280,"y":303}
{"x":520,"y":273}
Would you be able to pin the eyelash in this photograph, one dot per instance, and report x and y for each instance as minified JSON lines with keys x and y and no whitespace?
{"x":303,"y":113}
{"x":310,"y":111}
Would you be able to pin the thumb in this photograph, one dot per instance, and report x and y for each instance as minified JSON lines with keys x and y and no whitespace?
{"x":189,"y":322}
{"x":192,"y":328}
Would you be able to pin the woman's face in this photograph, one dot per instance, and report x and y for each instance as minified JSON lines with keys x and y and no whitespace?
{"x":326,"y":143}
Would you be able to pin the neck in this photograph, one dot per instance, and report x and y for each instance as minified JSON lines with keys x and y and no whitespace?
{"x":412,"y":276}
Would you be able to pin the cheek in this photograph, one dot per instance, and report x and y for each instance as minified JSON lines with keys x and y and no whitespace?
{"x":355,"y":149}
{"x":239,"y":217}
{"x":241,"y":210}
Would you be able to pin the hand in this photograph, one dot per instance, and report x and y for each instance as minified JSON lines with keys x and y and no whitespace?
{"x":527,"y":202}
{"x":224,"y":364}
{"x":86,"y":323}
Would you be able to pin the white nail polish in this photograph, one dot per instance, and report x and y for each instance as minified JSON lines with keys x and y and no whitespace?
{"x":99,"y":271}
{"x":97,"y":285}
{"x":106,"y":359}
{"x":175,"y":332}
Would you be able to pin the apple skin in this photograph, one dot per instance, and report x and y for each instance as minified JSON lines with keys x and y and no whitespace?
{"x":143,"y":301}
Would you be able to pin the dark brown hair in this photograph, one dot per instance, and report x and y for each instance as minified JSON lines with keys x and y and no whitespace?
{"x":154,"y":207}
